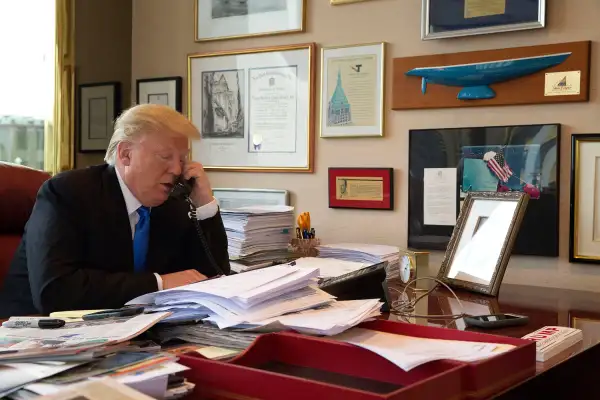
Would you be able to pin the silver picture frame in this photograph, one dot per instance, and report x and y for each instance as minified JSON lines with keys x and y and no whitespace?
{"x":427,"y":34}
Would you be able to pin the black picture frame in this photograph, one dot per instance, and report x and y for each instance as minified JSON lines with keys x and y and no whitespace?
{"x":177,"y":81}
{"x":450,"y":147}
{"x":574,"y":255}
{"x":107,"y":97}
{"x":451,"y":18}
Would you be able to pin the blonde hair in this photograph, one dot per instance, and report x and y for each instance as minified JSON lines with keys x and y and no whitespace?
{"x":148,"y":118}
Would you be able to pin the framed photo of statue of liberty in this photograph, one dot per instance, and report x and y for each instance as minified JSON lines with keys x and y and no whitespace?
{"x":254,"y":108}
{"x":352,"y":91}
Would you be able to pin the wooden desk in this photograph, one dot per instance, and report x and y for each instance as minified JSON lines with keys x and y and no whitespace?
{"x":572,"y":374}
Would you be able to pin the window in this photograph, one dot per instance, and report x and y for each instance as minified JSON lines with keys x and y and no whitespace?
{"x":27,"y":78}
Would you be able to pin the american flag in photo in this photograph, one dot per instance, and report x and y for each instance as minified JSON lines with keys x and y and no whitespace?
{"x":499,"y":167}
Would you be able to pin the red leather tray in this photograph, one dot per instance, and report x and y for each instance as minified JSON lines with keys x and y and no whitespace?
{"x":480,"y":379}
{"x":293,"y":366}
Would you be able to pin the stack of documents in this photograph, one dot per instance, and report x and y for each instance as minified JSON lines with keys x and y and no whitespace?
{"x":363,"y":253}
{"x":257,"y":228}
{"x":243,"y":298}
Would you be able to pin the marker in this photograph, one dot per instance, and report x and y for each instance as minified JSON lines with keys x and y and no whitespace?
{"x":42,"y":323}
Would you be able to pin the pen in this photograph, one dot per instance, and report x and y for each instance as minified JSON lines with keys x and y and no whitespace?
{"x":42,"y":323}
{"x":298,"y":236}
{"x":312,"y":233}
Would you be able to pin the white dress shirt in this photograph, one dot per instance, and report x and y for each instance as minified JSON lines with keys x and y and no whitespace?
{"x":203,"y":212}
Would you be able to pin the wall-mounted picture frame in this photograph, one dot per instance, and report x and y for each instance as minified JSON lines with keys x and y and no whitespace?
{"x":223,"y":19}
{"x":363,"y":188}
{"x":482,"y":240}
{"x":445,"y":164}
{"x":254,"y":108}
{"x":166,"y":91}
{"x":584,"y":224}
{"x":340,"y":2}
{"x":352,"y":91}
{"x":99,"y":105}
{"x":454,"y":18}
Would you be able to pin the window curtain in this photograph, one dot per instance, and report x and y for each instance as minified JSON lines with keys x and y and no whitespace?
{"x":59,"y":153}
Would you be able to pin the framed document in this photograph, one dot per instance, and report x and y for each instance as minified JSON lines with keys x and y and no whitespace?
{"x":99,"y":106}
{"x":584,"y":232}
{"x":228,"y":19}
{"x":352,"y":90}
{"x":254,"y":108}
{"x":366,"y":188}
{"x":452,"y":18}
{"x":445,"y":165}
{"x":166,"y":91}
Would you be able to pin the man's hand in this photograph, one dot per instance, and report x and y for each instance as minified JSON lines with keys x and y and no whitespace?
{"x":177,"y":279}
{"x":202,"y":192}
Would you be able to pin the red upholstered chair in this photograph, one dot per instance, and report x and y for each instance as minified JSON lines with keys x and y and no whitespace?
{"x":18,"y":189}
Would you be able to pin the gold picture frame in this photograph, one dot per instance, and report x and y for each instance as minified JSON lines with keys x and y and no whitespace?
{"x":230,"y":23}
{"x":477,"y":261}
{"x":584,"y":232}
{"x":270,"y":96}
{"x":362,"y":66}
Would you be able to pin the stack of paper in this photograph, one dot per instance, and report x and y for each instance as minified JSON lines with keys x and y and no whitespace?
{"x":330,"y":267}
{"x":257,"y":228}
{"x":409,"y":352}
{"x":243,"y":298}
{"x":364,"y":253}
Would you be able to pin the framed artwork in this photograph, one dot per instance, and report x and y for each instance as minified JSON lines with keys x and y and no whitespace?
{"x":352,"y":90}
{"x":584,"y":229}
{"x":453,"y":18}
{"x":365,"y":188}
{"x":99,"y":106}
{"x":226,"y":19}
{"x":482,"y":240}
{"x":446,"y":164}
{"x":254,"y":108}
{"x":166,"y":91}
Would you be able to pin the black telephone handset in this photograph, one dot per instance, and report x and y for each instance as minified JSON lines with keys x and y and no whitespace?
{"x":183,"y":188}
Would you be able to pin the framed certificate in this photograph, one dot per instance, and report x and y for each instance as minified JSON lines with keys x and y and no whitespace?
{"x":254,"y":108}
{"x":352,"y":90}
{"x":584,"y":232}
{"x":228,"y":19}
{"x":166,"y":91}
{"x":452,"y":18}
{"x":365,"y":188}
{"x":99,"y":106}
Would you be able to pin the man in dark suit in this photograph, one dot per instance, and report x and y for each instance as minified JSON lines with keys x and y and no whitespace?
{"x":101,"y":236}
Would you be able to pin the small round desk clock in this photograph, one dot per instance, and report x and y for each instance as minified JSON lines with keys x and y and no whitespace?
{"x":406,"y":268}
{"x":412,"y":263}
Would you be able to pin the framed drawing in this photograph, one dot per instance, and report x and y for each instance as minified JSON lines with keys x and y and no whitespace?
{"x":99,"y":106}
{"x":365,"y":188}
{"x":452,"y":18}
{"x":352,"y":90}
{"x":446,"y":164}
{"x":584,"y":230}
{"x":482,"y":240}
{"x":254,"y":108}
{"x":225,"y":19}
{"x":166,"y":91}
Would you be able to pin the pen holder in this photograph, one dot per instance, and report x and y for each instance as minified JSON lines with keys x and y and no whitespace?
{"x":307,"y":247}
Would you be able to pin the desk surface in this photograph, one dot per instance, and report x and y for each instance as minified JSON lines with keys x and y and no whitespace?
{"x":543,"y":306}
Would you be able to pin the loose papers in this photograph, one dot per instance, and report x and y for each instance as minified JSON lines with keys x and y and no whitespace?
{"x":408,"y":352}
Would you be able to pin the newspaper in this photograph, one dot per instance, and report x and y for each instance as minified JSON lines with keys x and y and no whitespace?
{"x":73,"y":338}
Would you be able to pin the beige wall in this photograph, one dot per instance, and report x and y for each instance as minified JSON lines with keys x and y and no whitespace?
{"x":102,"y":52}
{"x":163,"y":36}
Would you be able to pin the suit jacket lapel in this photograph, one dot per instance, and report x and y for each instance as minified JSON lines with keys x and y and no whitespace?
{"x":122,"y":244}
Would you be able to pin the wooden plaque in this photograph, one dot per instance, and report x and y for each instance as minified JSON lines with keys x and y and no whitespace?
{"x":529,"y":89}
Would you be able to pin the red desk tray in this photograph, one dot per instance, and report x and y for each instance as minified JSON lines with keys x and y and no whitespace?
{"x":292,"y":366}
{"x":480,"y":379}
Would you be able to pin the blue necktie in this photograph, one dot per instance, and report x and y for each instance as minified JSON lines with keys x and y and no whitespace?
{"x":141,"y":238}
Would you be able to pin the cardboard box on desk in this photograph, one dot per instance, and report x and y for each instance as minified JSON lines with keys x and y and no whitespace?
{"x":480,"y":379}
{"x":292,"y":366}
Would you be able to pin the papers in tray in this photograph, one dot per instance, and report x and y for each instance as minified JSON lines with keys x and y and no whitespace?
{"x":257,"y":228}
{"x":408,"y":352}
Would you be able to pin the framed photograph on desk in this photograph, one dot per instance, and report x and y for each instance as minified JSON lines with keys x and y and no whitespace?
{"x":452,"y":18}
{"x":365,"y":188}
